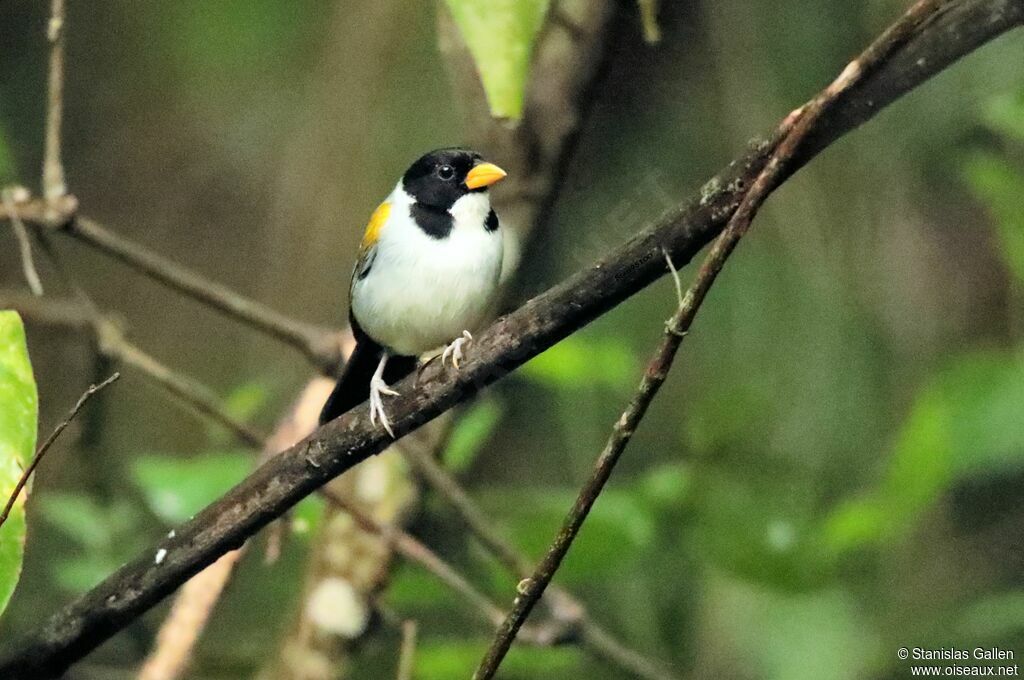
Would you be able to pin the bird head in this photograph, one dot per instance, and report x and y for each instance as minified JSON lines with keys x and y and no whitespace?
{"x":440,"y":178}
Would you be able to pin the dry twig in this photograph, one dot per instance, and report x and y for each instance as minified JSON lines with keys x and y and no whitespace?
{"x":61,"y":426}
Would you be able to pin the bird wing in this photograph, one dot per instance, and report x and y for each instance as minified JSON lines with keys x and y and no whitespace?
{"x":368,"y":246}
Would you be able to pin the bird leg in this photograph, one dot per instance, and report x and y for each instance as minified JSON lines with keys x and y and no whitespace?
{"x":378,"y":388}
{"x":454,"y":349}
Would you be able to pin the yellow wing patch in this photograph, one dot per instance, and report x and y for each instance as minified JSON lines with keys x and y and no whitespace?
{"x":377,"y":220}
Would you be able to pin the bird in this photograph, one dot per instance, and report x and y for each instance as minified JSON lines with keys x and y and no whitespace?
{"x":426,"y":275}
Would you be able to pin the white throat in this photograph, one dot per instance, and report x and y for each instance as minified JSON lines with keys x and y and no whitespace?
{"x":471,"y":210}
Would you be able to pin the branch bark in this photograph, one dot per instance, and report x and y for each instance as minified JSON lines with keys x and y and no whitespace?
{"x":954,"y":29}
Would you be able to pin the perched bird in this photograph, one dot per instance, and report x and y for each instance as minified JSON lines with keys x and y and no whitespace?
{"x":428,"y":268}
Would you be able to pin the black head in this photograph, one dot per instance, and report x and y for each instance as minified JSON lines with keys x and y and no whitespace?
{"x":441,"y":177}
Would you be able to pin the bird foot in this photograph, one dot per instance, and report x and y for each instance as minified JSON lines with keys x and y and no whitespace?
{"x":378,"y":388}
{"x":454,"y":349}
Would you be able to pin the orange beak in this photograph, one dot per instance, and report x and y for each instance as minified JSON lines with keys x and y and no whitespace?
{"x":484,"y":175}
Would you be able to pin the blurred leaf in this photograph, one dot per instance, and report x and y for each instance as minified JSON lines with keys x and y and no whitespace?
{"x":80,"y":518}
{"x":585,"y":363}
{"x":472,"y":430}
{"x":444,"y":660}
{"x":761,"y":527}
{"x":803,"y":636}
{"x":1000,"y":187}
{"x":177,"y":488}
{"x":412,"y":587}
{"x":967,"y":421}
{"x":991,"y":619}
{"x":102,"y":536}
{"x":666,"y":486}
{"x":619,"y":529}
{"x":1005,"y":115}
{"x":242,"y":404}
{"x":500,"y":35}
{"x":19,"y":413}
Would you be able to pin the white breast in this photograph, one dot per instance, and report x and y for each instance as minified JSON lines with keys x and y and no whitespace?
{"x":422,"y":292}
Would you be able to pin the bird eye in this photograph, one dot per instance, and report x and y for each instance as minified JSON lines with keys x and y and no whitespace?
{"x":446,"y":172}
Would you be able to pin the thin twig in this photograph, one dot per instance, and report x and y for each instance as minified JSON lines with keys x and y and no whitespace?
{"x":415,"y":551}
{"x":565,"y":607}
{"x":793,"y":131}
{"x":9,"y":197}
{"x":61,"y":426}
{"x":321,"y":346}
{"x":407,"y":654}
{"x":957,"y":28}
{"x":54,"y":186}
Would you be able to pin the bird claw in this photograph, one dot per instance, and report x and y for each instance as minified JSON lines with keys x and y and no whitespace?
{"x":454,"y":349}
{"x":377,"y":388}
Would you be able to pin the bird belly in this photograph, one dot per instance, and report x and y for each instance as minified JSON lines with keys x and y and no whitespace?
{"x":421,"y":292}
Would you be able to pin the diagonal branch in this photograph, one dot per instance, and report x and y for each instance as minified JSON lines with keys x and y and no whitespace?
{"x":792,"y":131}
{"x":955,"y":28}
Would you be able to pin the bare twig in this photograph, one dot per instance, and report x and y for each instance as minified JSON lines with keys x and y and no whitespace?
{"x":565,"y":607}
{"x":321,"y":346}
{"x":793,"y":131}
{"x":9,"y":197}
{"x":415,"y":551}
{"x":61,"y":426}
{"x":407,"y":654}
{"x":54,"y":186}
{"x":956,"y":28}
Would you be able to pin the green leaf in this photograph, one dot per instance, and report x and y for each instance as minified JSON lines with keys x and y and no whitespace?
{"x":583,"y":363}
{"x":965,"y":422}
{"x":500,"y":35}
{"x":443,"y":660}
{"x":101,"y":537}
{"x":177,"y":488}
{"x":1005,"y":115}
{"x":472,"y":431}
{"x":19,"y":413}
{"x":779,"y":636}
{"x":991,"y":619}
{"x":1000,"y":186}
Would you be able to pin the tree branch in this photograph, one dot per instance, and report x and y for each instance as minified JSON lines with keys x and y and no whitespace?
{"x":321,"y":346}
{"x":565,"y":607}
{"x":956,"y":28}
{"x":54,"y":186}
{"x":792,"y":132}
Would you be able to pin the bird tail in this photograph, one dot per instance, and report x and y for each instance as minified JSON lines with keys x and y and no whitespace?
{"x":353,"y":387}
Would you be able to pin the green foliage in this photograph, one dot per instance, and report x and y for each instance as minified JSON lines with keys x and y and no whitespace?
{"x":1004,"y":114}
{"x":102,"y":536}
{"x":1000,"y":186}
{"x":991,"y":619}
{"x":967,"y":421}
{"x":175,"y":489}
{"x":584,"y":363}
{"x":19,"y":413}
{"x":473,"y":428}
{"x":446,"y":659}
{"x":500,"y":35}
{"x":803,"y":636}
